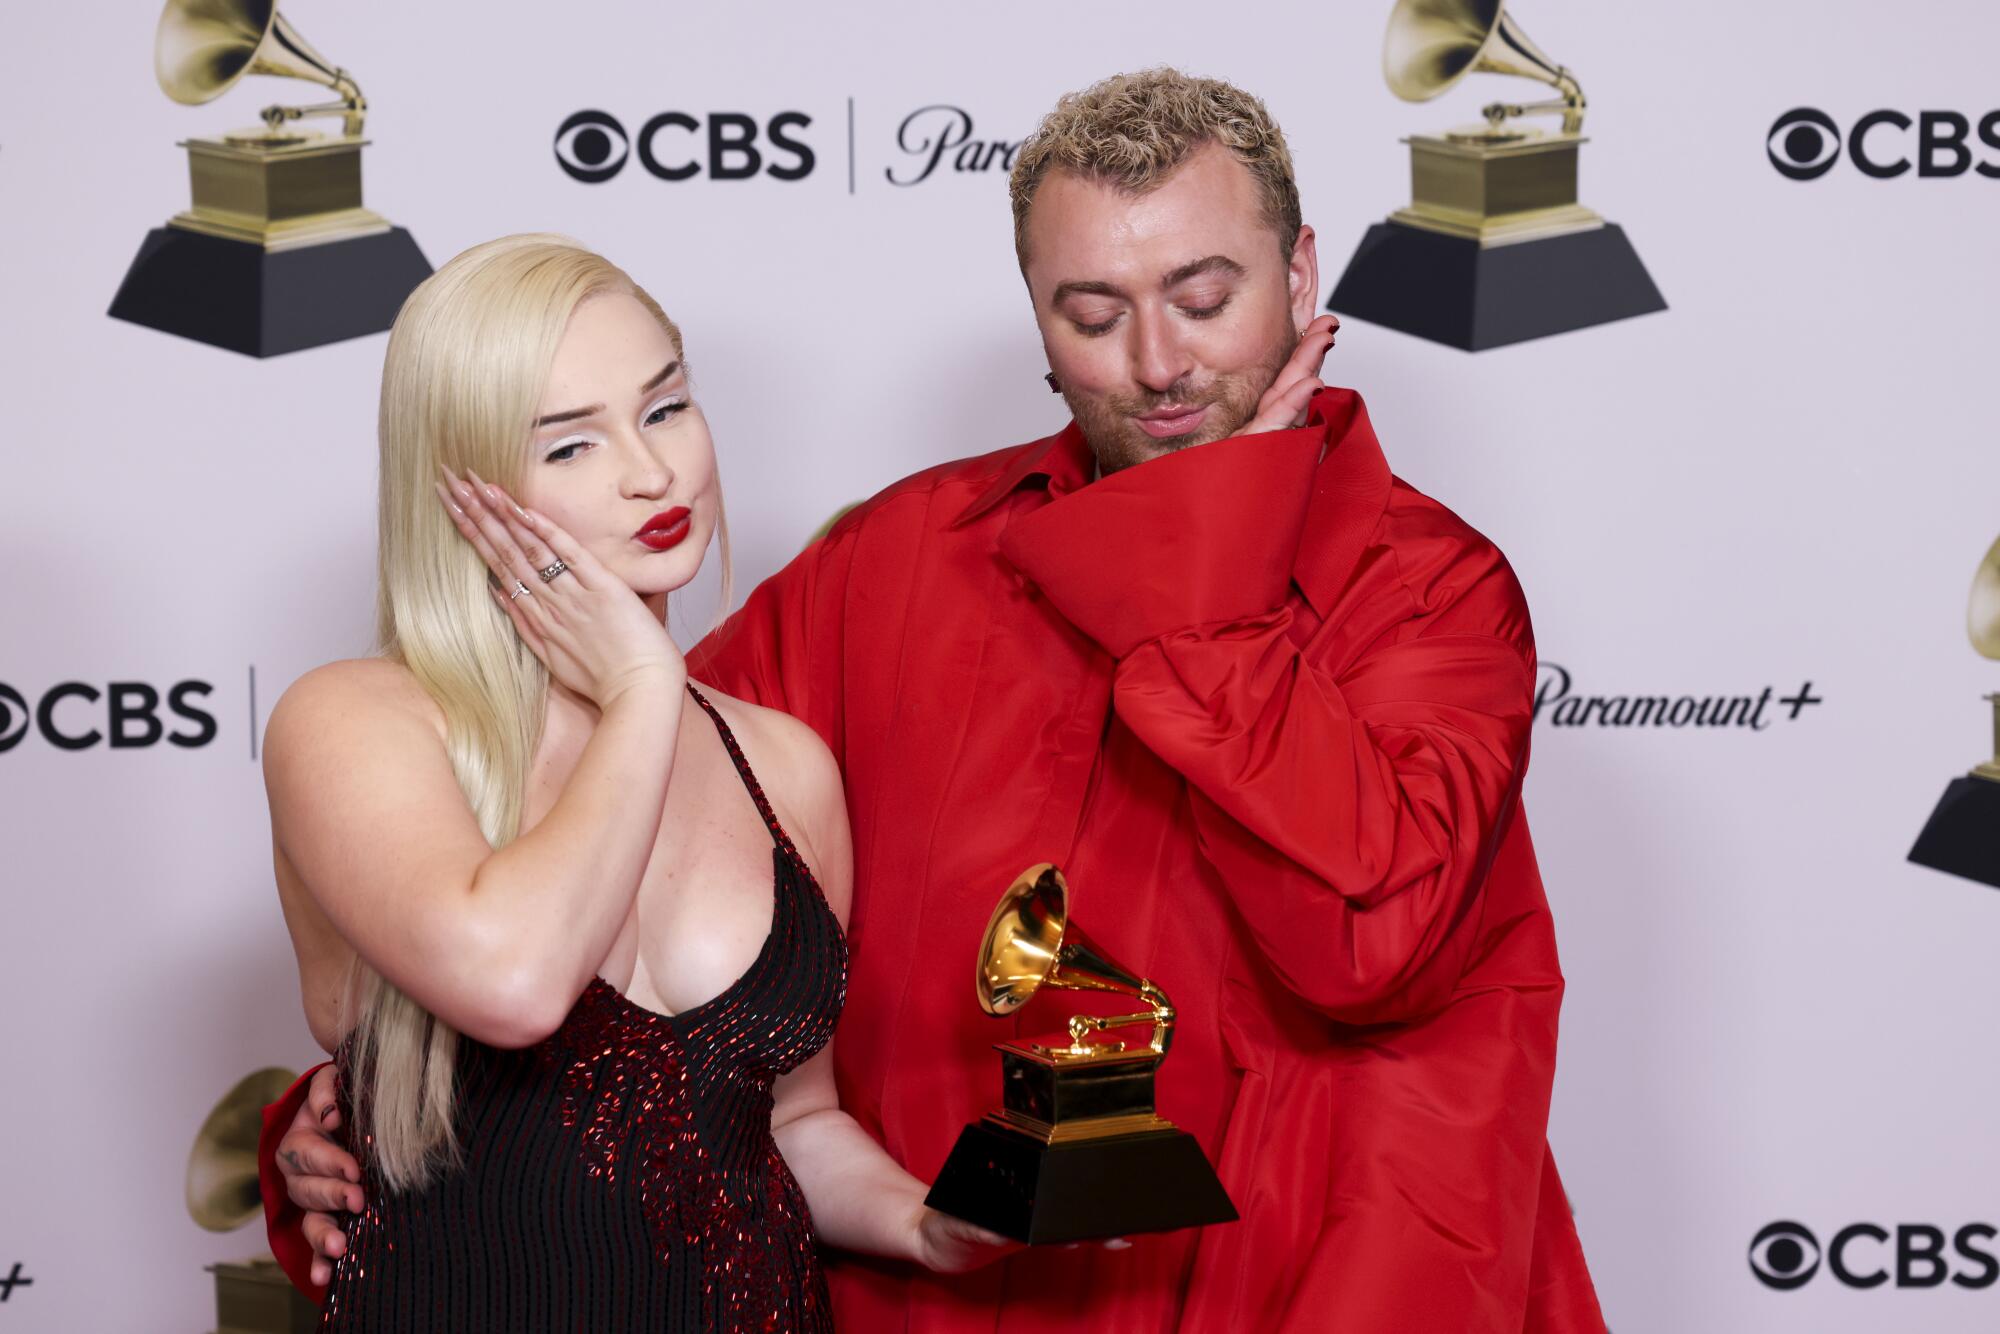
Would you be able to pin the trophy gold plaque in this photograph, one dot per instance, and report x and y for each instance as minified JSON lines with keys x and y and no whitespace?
{"x":251,"y":1296}
{"x":275,"y":252}
{"x":1962,"y":836}
{"x":1494,"y":247}
{"x":1076,"y":1150}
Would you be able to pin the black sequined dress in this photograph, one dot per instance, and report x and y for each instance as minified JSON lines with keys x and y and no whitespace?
{"x":621,"y":1175}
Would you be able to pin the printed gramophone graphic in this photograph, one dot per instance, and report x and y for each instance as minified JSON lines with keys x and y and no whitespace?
{"x":254,"y":1296}
{"x":1494,"y":247}
{"x":1076,"y":1150}
{"x":276,"y":252}
{"x":1962,"y":836}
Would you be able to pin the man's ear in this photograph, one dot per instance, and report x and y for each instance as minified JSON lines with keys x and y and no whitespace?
{"x":1302,"y":278}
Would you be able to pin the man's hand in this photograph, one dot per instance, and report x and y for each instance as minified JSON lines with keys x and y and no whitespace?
{"x":1283,"y":405}
{"x":321,"y":1177}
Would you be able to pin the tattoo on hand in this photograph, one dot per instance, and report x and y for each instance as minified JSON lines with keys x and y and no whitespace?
{"x":298,"y":1165}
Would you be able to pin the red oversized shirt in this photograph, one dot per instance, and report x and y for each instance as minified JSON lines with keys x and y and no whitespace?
{"x":1268,"y":707}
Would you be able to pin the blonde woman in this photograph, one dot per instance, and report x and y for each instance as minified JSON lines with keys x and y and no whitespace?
{"x":579,"y":967}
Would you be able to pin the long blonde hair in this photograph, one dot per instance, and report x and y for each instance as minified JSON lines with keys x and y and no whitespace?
{"x":467,"y":365}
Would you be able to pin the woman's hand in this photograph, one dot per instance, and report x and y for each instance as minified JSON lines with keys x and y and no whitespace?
{"x":321,"y":1176}
{"x":1283,"y":405}
{"x":586,"y":625}
{"x":948,"y":1245}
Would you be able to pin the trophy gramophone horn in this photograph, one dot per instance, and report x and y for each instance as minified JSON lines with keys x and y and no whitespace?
{"x":1982,"y":624}
{"x":204,"y":46}
{"x":1030,"y":943}
{"x":1432,"y":44}
{"x":1982,"y":616}
{"x":222,"y":1166}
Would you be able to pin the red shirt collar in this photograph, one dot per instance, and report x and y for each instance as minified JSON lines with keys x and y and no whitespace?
{"x":1350,"y":487}
{"x":1062,"y":462}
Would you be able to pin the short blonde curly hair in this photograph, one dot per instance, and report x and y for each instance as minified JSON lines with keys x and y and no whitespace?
{"x":1133,"y":130}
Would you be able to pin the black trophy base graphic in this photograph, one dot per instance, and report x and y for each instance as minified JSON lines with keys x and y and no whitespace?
{"x":1080,"y":1190}
{"x":236,"y":294}
{"x":1450,"y":290}
{"x":1962,"y":837}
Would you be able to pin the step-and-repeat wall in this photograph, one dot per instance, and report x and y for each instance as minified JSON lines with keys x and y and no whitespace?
{"x":1747,"y":526}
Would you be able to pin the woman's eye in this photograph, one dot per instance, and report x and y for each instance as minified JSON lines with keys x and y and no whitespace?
{"x":662,"y":412}
{"x":564,"y":453}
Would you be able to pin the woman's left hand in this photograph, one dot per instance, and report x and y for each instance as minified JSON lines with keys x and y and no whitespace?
{"x":949,"y":1245}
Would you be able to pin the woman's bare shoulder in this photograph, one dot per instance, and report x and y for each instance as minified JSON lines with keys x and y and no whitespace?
{"x":786,"y":739}
{"x":794,"y":765}
{"x":353,"y":695}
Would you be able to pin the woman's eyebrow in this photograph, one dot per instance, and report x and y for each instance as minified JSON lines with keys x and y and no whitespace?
{"x":572,"y":414}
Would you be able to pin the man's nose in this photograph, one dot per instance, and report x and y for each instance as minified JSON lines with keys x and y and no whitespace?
{"x":1159,"y":358}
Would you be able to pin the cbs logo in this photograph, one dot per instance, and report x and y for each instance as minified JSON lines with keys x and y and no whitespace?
{"x":127,"y":716}
{"x":592,"y":146}
{"x":1804,"y":144}
{"x":1785,"y":1255}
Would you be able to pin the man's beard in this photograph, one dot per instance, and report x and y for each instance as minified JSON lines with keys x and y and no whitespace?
{"x":1115,"y":438}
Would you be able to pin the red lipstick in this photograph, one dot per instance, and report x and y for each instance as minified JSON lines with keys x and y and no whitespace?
{"x":664,"y":530}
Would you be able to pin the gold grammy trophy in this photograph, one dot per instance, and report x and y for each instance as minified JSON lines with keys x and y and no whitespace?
{"x":253,"y":1296}
{"x":1962,"y":836}
{"x":1076,"y":1149}
{"x":276,"y":251}
{"x":1494,"y":247}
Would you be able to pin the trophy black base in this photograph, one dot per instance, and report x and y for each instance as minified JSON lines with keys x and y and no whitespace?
{"x":1079,"y":1190}
{"x":240,"y":296}
{"x":1962,"y":837}
{"x":1450,"y":290}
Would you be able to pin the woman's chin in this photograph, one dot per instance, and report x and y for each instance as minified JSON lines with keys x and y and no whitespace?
{"x":659,"y":575}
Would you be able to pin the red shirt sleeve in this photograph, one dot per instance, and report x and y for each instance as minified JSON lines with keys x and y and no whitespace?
{"x":1350,"y":801}
{"x":284,"y":1221}
{"x":769,"y":651}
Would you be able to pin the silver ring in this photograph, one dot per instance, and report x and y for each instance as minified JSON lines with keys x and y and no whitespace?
{"x":519,"y":588}
{"x":552,"y":571}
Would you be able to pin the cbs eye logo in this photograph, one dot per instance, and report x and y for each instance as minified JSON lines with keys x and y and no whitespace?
{"x":1805,"y":144}
{"x":1784,"y":1255}
{"x":592,"y":146}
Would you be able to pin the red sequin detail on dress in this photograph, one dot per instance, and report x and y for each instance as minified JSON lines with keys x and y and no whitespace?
{"x":622,"y":1174}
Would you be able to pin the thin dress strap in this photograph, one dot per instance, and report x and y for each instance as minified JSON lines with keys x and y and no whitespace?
{"x":783,"y":840}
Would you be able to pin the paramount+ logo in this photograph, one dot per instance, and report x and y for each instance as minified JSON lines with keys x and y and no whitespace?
{"x":1786,"y":1255}
{"x":1805,"y":144}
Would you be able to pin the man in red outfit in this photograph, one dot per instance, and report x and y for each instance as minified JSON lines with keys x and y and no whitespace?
{"x":1265,"y":704}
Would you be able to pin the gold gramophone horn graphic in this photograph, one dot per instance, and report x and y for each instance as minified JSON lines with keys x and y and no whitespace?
{"x":1962,"y":836}
{"x":204,"y":46}
{"x":1076,"y":1149}
{"x":276,"y":251}
{"x":1494,"y":247}
{"x":222,"y":1166}
{"x":251,"y":1296}
{"x":1432,"y":44}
